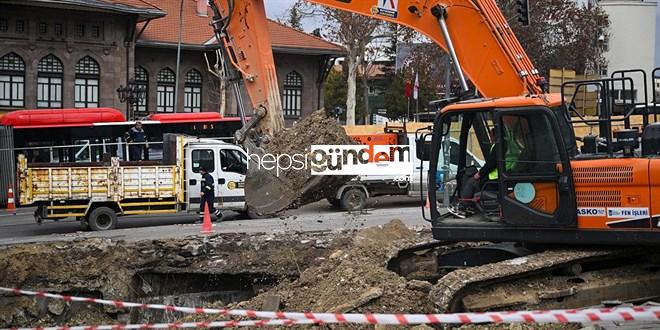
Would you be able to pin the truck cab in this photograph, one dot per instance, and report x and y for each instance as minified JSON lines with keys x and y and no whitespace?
{"x":226,"y":162}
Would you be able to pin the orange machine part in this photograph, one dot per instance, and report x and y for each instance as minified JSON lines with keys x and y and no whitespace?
{"x":654,"y":180}
{"x":249,"y":41}
{"x":609,"y":184}
{"x":546,"y":197}
{"x":377,"y":139}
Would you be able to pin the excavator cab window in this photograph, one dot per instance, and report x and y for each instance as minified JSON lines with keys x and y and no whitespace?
{"x":535,"y":179}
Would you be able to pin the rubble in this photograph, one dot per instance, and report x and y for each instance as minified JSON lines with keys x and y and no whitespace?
{"x":341,"y":271}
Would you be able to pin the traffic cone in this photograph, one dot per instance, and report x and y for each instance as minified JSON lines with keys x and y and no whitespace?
{"x":11,"y":204}
{"x":207,"y":227}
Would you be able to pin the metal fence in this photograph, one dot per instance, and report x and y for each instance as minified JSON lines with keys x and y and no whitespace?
{"x":7,"y":163}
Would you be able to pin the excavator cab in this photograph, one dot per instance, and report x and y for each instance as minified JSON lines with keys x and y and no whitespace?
{"x":563,"y":175}
{"x":530,"y":185}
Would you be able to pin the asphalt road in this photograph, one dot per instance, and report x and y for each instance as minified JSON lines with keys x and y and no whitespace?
{"x":320,"y":216}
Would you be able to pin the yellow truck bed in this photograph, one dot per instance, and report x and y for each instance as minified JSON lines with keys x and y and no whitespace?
{"x":99,"y":183}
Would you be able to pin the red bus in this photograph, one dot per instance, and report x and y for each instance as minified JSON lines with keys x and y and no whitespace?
{"x":88,"y":135}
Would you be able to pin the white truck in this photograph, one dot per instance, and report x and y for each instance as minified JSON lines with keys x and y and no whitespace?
{"x":98,"y":193}
{"x":355,"y":193}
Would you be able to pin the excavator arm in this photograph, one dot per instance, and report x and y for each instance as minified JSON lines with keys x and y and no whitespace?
{"x":474,"y":33}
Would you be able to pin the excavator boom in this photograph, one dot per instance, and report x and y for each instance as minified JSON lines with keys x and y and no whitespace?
{"x":474,"y":33}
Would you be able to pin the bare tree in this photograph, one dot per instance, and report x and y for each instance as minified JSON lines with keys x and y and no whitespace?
{"x":219,"y":84}
{"x":373,"y":51}
{"x":354,"y":32}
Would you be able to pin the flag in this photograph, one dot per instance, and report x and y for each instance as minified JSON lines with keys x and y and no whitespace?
{"x":409,"y":89}
{"x":416,"y":87}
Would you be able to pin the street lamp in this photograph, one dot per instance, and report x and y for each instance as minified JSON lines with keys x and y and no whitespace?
{"x":131,"y":94}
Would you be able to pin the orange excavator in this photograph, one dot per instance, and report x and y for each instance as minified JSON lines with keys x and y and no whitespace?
{"x":542,"y":189}
{"x":501,"y":69}
{"x":554,"y":193}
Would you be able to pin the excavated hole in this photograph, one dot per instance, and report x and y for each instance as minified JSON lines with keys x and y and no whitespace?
{"x":193,"y":289}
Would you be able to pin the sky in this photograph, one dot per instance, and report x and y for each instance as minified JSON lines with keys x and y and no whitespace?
{"x":278,"y":9}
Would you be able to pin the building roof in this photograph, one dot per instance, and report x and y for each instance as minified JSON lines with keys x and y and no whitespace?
{"x":284,"y":37}
{"x":143,"y":8}
{"x":165,"y":30}
{"x":197,"y":32}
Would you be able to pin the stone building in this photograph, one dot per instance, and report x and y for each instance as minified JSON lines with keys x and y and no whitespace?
{"x":76,"y":53}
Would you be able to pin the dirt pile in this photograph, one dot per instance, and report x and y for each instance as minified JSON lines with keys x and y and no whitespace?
{"x":269,"y":192}
{"x":355,"y":279}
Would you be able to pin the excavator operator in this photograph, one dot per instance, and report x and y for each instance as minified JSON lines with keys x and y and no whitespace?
{"x":474,"y":180}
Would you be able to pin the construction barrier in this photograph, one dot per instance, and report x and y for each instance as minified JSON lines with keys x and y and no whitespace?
{"x":588,"y":315}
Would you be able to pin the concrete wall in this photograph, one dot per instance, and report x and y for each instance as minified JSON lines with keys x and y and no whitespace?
{"x":632,"y":37}
{"x":109,"y":51}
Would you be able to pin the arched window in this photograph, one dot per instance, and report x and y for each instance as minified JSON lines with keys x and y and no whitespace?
{"x":142,"y":81}
{"x":292,"y":95}
{"x":166,"y":82}
{"x":88,"y":73}
{"x":49,"y":82}
{"x":12,"y":81}
{"x":193,"y":92}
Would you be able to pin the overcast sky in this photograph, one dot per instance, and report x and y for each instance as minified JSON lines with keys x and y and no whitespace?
{"x":278,"y":9}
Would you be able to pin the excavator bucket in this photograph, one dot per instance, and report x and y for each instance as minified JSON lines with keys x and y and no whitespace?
{"x":269,"y":188}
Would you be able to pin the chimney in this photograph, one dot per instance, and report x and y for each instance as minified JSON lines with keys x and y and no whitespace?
{"x":201,"y":8}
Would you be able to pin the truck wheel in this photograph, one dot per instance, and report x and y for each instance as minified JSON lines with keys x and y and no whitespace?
{"x":333,"y":201}
{"x":353,"y":200}
{"x":102,"y":218}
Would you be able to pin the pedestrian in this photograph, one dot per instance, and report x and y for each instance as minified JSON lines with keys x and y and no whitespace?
{"x":137,"y":139}
{"x":207,"y":194}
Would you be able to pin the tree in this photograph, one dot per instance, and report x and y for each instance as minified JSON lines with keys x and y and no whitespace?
{"x":335,"y":90}
{"x":355,"y":32}
{"x":395,"y":98}
{"x":219,"y":83}
{"x":561,"y":34}
{"x":352,"y":31}
{"x":294,"y":19}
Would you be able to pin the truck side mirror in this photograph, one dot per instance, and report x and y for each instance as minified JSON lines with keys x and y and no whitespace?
{"x":423,"y":149}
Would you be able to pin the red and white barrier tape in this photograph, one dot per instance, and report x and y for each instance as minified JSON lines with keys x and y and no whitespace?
{"x":622,"y":314}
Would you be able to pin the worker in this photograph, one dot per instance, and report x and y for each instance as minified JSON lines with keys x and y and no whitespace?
{"x":137,"y":139}
{"x":473,"y":182}
{"x":207,"y":194}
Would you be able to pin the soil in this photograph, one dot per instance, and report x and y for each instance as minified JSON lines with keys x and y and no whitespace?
{"x":356,"y":279}
{"x":298,"y":187}
{"x":107,"y":269}
{"x":343,"y":271}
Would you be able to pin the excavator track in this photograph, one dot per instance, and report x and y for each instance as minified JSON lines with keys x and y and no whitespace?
{"x":547,"y":279}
